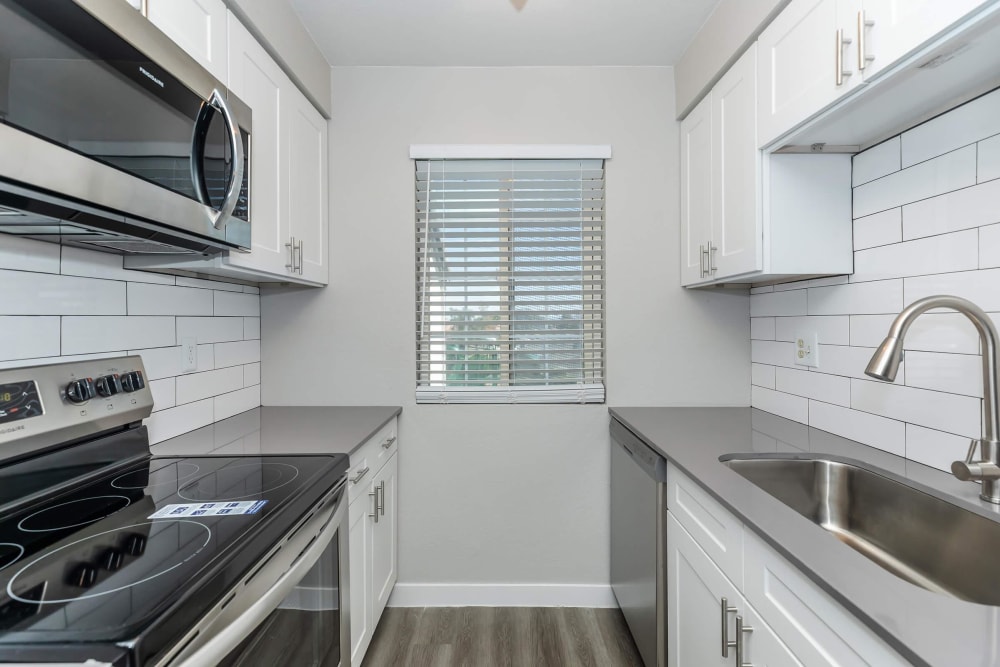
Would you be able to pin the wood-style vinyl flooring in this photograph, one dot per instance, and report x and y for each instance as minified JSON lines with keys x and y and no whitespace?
{"x":501,"y":637}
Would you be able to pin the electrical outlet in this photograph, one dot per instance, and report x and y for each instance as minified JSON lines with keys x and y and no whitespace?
{"x":807,"y":349}
{"x":189,"y":355}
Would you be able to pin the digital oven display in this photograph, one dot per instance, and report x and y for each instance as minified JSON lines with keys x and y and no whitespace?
{"x":19,"y":400}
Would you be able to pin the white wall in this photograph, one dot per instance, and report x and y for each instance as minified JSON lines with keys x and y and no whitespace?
{"x":926,"y":204}
{"x":501,"y":495}
{"x":61,"y":303}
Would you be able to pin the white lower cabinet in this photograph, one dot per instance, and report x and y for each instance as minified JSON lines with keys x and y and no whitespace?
{"x":788,"y":620}
{"x":372,"y":487}
{"x":696,"y":625}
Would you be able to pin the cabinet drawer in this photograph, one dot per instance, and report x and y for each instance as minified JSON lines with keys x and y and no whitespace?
{"x":816,"y":629}
{"x":369,"y":459}
{"x":711,"y":525}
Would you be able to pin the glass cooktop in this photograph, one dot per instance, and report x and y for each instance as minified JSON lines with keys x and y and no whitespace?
{"x":105,"y":560}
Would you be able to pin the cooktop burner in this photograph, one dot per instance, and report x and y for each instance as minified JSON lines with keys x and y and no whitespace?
{"x":178,"y":540}
{"x":72,"y":514}
{"x":239,"y":481}
{"x":9,"y":553}
{"x":169,"y":475}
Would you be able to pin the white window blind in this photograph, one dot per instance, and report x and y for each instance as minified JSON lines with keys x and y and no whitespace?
{"x":510,"y":281}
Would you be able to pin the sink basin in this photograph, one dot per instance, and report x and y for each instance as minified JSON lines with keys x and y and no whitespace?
{"x":920,"y":538}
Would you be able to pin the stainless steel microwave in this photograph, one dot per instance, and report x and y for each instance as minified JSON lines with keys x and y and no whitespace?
{"x":113,"y":138}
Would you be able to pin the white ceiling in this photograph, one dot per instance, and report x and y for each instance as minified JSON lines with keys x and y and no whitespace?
{"x":496,"y":33}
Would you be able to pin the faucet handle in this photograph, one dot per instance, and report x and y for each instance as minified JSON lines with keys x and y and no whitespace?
{"x":970,"y":469}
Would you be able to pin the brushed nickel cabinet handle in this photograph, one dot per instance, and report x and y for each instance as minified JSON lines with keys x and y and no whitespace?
{"x":841,"y":43}
{"x":726,"y":611}
{"x":381,"y":507}
{"x":374,"y":513}
{"x":712,"y":268}
{"x":701,"y":261}
{"x":389,"y":442}
{"x":740,"y":647}
{"x":863,"y":25}
{"x":291,"y":255}
{"x":360,"y":475}
{"x":301,"y":242}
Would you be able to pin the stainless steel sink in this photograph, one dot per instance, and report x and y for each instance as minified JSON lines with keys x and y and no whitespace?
{"x":918,"y":537}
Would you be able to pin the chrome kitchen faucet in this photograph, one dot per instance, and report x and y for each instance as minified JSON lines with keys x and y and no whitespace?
{"x":885,"y":363}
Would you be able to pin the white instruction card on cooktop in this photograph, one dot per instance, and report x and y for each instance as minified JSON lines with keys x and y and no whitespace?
{"x":234,"y":508}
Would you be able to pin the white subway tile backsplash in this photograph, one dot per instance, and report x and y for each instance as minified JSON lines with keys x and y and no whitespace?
{"x":927,"y":179}
{"x":762,"y":375}
{"x":937,"y":254}
{"x":778,"y":303}
{"x":251,"y":328}
{"x":164,"y":393}
{"x":954,"y":373}
{"x":933,"y":409}
{"x":784,"y":405}
{"x":773,"y":353}
{"x":236,"y":304}
{"x":45,"y":361}
{"x":961,"y":126}
{"x":988,"y":167}
{"x":879,"y":229}
{"x":93,"y":264}
{"x":197,"y":386}
{"x":233,"y":354}
{"x":951,"y":212}
{"x":164,"y":362}
{"x":26,"y":255}
{"x":168,"y":300}
{"x":934,"y":448}
{"x":233,"y":403}
{"x":27,"y":293}
{"x":82,"y":335}
{"x":876,"y":162}
{"x":181,"y":419}
{"x":848,"y":361}
{"x":884,"y":296}
{"x":210,"y":329}
{"x":989,"y":247}
{"x":831,"y":330}
{"x":762,"y":328}
{"x":251,"y":375}
{"x":822,"y":387}
{"x":889,"y":435}
{"x":980,"y":287}
{"x":931,"y":332}
{"x":28,"y":337}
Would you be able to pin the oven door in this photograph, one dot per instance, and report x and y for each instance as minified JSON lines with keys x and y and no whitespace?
{"x":299,"y":619}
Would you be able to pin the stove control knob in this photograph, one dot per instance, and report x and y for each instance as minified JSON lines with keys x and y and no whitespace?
{"x":83,"y":575}
{"x":109,"y":385}
{"x":132,"y":381}
{"x":135,"y":545}
{"x":80,"y":391}
{"x":111,"y":560}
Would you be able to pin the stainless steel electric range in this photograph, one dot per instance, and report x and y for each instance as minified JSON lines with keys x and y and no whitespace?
{"x":111,"y":555}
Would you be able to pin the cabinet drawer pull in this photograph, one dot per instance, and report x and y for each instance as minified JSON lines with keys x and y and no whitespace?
{"x":863,"y":24}
{"x":726,"y":611}
{"x":379,"y":495}
{"x":712,"y":268}
{"x":360,"y":475}
{"x":740,"y":647}
{"x":389,"y":442}
{"x":291,"y":255}
{"x":841,"y":43}
{"x":374,"y":514}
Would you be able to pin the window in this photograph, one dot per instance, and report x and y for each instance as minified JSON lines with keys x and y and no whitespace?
{"x":510,"y":281}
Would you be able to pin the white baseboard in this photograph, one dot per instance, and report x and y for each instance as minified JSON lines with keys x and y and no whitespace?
{"x":502,"y":595}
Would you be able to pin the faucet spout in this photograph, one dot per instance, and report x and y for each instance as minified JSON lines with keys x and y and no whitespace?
{"x":885,"y":362}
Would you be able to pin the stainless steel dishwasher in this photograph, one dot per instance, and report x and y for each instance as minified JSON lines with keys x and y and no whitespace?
{"x":638,"y":541}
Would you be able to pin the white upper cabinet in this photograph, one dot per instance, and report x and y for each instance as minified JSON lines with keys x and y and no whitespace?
{"x":198,"y":27}
{"x":736,"y":214}
{"x":805,"y":63}
{"x":888,"y":30}
{"x":307,"y":186}
{"x":696,"y":192}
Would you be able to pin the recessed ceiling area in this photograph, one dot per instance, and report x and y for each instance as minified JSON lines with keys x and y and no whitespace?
{"x":503,"y":32}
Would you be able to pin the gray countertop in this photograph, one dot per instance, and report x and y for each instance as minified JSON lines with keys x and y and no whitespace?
{"x":283,"y":430}
{"x":926,"y":628}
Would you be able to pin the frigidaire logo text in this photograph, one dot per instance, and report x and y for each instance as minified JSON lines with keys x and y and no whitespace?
{"x":151,"y":77}
{"x":11,"y":429}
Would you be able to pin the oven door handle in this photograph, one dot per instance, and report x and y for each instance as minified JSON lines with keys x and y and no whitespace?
{"x":226,"y":639}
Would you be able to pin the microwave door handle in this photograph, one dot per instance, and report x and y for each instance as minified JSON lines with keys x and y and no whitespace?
{"x":223,"y":642}
{"x":201,"y":125}
{"x":221,"y":217}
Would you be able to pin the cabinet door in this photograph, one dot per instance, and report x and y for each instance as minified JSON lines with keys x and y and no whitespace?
{"x":198,"y":27}
{"x":384,"y":539}
{"x":900,"y":26}
{"x":696,"y":191}
{"x":797,"y":63}
{"x":308,"y":185}
{"x":359,"y":562}
{"x":737,"y":236}
{"x":256,"y":79}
